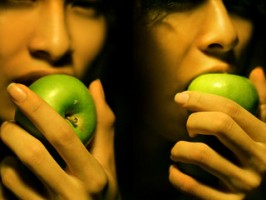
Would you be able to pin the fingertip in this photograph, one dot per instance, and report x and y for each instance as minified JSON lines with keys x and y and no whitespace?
{"x":96,"y":88}
{"x":257,"y":74}
{"x":16,"y":92}
{"x":181,"y":98}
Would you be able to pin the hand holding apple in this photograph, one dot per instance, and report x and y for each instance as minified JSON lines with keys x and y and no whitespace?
{"x":237,"y":88}
{"x":83,"y":164}
{"x":69,"y":97}
{"x":234,"y":87}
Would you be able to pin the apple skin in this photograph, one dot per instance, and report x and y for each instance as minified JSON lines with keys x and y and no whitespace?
{"x":69,"y":97}
{"x":234,"y":87}
{"x":237,"y":88}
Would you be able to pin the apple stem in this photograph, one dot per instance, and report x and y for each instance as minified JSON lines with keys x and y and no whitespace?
{"x":73,"y":120}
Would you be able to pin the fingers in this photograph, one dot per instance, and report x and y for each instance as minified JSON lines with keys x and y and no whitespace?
{"x":197,"y":101}
{"x":12,"y":177}
{"x":34,"y":155}
{"x":235,"y":178}
{"x":257,"y":76}
{"x":191,"y":186}
{"x":80,"y":162}
{"x":102,"y":146}
{"x":233,"y":125}
{"x":106,"y":117}
{"x":225,"y":129}
{"x":236,"y":128}
{"x":56,"y":130}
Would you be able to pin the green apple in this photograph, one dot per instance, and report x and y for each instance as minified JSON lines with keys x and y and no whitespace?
{"x":237,"y":88}
{"x":234,"y":87}
{"x":69,"y":97}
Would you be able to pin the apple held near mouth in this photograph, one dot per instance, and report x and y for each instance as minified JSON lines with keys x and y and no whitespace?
{"x":69,"y":97}
{"x":237,"y":88}
{"x":234,"y":87}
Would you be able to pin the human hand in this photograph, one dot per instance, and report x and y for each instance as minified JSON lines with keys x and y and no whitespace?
{"x":257,"y":76}
{"x":241,"y":132}
{"x":89,"y":173}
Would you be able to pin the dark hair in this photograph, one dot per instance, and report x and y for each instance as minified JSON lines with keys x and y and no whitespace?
{"x":248,"y":8}
{"x":109,"y":9}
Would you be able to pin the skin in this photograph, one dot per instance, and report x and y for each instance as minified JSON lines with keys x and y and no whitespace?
{"x":39,"y":38}
{"x":42,"y":34}
{"x":170,"y":51}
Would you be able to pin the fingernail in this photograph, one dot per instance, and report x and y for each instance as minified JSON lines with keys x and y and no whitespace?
{"x":16,"y":92}
{"x":181,"y":98}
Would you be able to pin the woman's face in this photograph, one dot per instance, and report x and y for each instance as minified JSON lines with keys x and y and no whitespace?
{"x":44,"y":37}
{"x":181,"y":43}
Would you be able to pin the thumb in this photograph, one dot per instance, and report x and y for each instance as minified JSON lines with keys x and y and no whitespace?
{"x":102,"y":145}
{"x":257,"y":77}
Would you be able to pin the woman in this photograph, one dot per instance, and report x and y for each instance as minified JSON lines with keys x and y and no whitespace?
{"x":175,"y":41}
{"x":44,"y":37}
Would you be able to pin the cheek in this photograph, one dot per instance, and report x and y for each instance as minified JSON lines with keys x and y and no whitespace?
{"x":245,"y":30}
{"x":11,"y":38}
{"x":161,"y":52}
{"x":14,"y":35}
{"x":87,"y":43}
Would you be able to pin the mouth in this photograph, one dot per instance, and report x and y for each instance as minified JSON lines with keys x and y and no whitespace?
{"x":29,"y":78}
{"x":222,"y":69}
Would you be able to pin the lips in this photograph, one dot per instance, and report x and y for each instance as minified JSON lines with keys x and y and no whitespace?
{"x":29,"y":78}
{"x":215,"y":69}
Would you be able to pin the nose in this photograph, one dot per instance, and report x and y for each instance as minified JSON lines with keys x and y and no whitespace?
{"x":51,"y":39}
{"x":218,"y":33}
